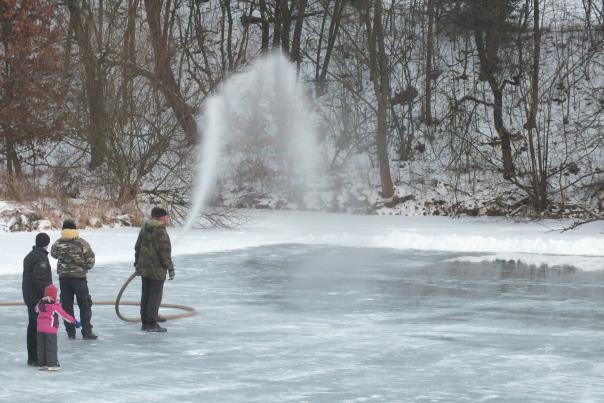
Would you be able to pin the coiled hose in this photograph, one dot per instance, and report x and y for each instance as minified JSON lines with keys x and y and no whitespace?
{"x":190,"y":311}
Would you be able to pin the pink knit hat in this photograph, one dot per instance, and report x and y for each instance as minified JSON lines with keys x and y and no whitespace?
{"x":51,"y":291}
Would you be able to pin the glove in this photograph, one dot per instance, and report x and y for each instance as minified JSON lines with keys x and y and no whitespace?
{"x":77,"y":324}
{"x":171,"y":274}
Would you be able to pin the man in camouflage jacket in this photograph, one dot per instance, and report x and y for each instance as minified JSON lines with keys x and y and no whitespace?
{"x":152,"y":259}
{"x":75,"y":258}
{"x":36,"y":276}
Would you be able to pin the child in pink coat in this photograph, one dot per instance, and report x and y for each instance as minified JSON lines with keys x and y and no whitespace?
{"x":49,"y":309}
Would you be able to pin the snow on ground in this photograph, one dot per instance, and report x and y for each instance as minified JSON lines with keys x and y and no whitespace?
{"x":485,"y":239}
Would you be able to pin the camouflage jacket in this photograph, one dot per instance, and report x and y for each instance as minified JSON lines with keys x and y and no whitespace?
{"x":153,"y":251}
{"x":75,"y":257}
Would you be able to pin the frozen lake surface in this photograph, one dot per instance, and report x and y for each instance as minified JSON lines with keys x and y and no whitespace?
{"x":324,"y":324}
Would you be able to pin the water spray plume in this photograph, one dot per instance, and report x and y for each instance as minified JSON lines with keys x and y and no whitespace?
{"x":207,"y":164}
{"x":258,"y":117}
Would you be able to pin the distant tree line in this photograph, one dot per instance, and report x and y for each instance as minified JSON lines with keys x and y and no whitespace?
{"x":505,"y":95}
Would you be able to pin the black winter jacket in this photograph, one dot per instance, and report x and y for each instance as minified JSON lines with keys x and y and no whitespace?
{"x":36,"y":275}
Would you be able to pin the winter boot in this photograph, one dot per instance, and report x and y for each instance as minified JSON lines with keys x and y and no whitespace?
{"x":156,"y":328}
{"x":90,"y":336}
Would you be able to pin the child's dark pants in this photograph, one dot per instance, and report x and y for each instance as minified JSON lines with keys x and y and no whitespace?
{"x":47,"y":350}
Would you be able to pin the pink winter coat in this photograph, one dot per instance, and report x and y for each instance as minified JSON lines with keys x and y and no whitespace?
{"x":48,"y":320}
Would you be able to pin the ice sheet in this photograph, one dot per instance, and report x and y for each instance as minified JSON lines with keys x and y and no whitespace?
{"x":304,"y":323}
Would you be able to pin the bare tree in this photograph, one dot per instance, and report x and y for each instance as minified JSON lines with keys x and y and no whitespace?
{"x":265,"y":25}
{"x":83,"y":26}
{"x":334,"y":26}
{"x":296,"y":55}
{"x":378,"y":66}
{"x":429,"y":60}
{"x":538,"y":146}
{"x":31,"y":86}
{"x":160,"y":32}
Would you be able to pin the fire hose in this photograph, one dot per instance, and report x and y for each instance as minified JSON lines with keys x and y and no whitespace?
{"x":189,"y":311}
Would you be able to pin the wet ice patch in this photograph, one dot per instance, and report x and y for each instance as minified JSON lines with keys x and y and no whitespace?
{"x":587,"y":263}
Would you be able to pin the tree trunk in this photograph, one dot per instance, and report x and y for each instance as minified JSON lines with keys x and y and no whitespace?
{"x":487,"y":54}
{"x":378,"y":64}
{"x":13,"y":164}
{"x":129,"y":55}
{"x":127,"y":193}
{"x":318,"y":84}
{"x":279,"y":5}
{"x":429,"y":56}
{"x":163,"y":70}
{"x":265,"y":26}
{"x":504,"y":134}
{"x":93,"y":83}
{"x":295,"y":50}
{"x":334,"y":27}
{"x":539,"y":172}
{"x":285,"y":27}
{"x":226,"y":37}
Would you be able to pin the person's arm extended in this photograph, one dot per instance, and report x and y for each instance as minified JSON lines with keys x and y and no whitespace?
{"x":165,"y":251}
{"x":63,"y":314}
{"x":88,"y":255}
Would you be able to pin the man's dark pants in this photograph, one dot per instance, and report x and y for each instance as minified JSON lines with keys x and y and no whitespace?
{"x":78,"y":287}
{"x":151,"y":295}
{"x":32,"y":334}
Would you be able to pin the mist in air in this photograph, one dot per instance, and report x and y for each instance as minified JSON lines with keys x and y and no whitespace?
{"x":258,"y":125}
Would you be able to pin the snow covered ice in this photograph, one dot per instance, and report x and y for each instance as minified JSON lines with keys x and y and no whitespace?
{"x":306,"y":307}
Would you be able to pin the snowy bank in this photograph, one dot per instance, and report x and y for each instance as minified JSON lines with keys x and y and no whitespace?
{"x":531,"y":242}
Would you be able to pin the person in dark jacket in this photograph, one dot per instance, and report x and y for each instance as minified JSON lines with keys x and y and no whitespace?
{"x":152,"y":259}
{"x":36,"y":276}
{"x":75,"y":259}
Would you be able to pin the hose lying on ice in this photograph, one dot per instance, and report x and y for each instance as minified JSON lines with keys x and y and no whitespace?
{"x":190,"y":311}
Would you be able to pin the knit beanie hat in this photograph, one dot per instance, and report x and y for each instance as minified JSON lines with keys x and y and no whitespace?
{"x":51,"y":291}
{"x":158,"y":212}
{"x":42,"y":240}
{"x":69,"y":224}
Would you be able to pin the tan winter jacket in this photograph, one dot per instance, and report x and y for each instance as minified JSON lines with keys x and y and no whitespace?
{"x":74,"y":254}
